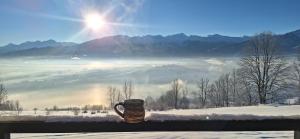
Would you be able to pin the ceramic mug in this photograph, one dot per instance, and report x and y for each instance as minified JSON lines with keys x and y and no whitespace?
{"x":134,"y":111}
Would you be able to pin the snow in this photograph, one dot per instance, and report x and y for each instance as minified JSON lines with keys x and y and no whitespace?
{"x":170,"y":117}
{"x":106,"y":118}
{"x":292,"y":100}
{"x":241,"y":113}
{"x":259,"y":110}
{"x":161,"y":135}
{"x":227,"y":113}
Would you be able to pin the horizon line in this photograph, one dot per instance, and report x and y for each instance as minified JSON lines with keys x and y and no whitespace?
{"x":127,"y":35}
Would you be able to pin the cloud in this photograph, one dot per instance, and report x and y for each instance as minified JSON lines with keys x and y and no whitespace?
{"x":214,"y":61}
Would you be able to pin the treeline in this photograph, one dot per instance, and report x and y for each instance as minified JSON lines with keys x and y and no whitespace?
{"x":84,"y":108}
{"x":116,"y":94}
{"x":93,"y":109}
{"x":264,"y":76}
{"x":8,"y":105}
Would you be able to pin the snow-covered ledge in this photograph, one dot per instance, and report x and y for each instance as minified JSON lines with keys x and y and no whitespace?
{"x":252,"y":118}
{"x":60,"y":125}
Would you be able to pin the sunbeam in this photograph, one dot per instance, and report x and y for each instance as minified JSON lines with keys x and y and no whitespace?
{"x":127,"y":25}
{"x":55,"y":17}
{"x":77,"y":35}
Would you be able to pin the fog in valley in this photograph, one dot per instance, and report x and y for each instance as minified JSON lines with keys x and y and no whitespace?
{"x":43,"y":82}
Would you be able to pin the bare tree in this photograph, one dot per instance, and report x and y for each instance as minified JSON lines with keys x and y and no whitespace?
{"x":3,"y":93}
{"x":234,"y":86}
{"x":185,"y":91}
{"x":128,"y":89}
{"x":203,"y":90}
{"x":55,"y":108}
{"x":176,"y":85}
{"x":6,"y":104}
{"x":263,"y":67}
{"x":48,"y":111}
{"x":85,"y":109}
{"x":165,"y":101}
{"x":184,"y":101}
{"x":35,"y":109}
{"x":246,"y":94}
{"x":222,"y":89}
{"x":214,"y":94}
{"x":119,"y":96}
{"x":112,"y":93}
{"x":149,"y":103}
{"x":295,"y":75}
{"x":18,"y":107}
{"x":225,"y":79}
{"x":219,"y":91}
{"x":75,"y":111}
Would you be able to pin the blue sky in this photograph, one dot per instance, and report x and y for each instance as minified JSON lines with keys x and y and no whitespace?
{"x":29,"y":20}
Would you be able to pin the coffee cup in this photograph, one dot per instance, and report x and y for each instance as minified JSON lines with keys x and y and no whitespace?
{"x":134,"y":111}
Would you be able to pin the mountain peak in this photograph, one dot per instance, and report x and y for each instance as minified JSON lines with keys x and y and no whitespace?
{"x":215,"y":35}
{"x":296,"y":32}
{"x":179,"y":35}
{"x":11,"y":44}
{"x":50,"y":41}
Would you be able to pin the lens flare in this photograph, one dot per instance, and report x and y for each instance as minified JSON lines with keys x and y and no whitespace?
{"x":94,"y":21}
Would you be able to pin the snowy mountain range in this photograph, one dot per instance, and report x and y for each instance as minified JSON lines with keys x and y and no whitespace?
{"x":149,"y":45}
{"x":31,"y":45}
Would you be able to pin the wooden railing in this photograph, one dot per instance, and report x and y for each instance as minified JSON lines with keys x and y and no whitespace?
{"x":7,"y":127}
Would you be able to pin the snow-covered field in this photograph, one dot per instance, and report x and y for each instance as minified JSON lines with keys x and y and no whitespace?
{"x":259,"y":110}
{"x":226,"y":113}
{"x":162,"y":135}
{"x":250,"y":112}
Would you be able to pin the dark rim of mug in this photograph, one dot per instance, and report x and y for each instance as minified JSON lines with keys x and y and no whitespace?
{"x":134,"y":101}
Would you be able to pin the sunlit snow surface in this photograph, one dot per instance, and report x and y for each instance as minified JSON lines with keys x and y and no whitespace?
{"x":261,"y":111}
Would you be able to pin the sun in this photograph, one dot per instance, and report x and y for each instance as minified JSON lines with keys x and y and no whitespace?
{"x":94,"y":21}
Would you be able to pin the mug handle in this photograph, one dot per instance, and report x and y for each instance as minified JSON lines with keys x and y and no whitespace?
{"x":116,"y":109}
